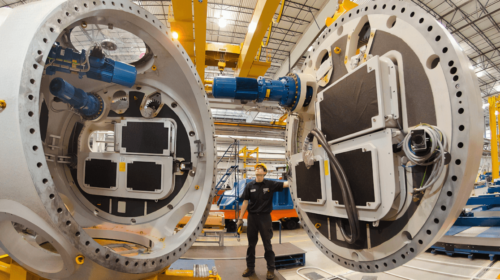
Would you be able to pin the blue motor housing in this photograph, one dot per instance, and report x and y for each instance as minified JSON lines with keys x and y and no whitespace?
{"x":284,"y":90}
{"x":87,"y":104}
{"x":103,"y":69}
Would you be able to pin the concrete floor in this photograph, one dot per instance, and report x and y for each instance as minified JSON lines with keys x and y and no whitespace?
{"x":426,"y":266}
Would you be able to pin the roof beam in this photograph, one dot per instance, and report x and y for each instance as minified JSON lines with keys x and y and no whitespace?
{"x":309,"y":35}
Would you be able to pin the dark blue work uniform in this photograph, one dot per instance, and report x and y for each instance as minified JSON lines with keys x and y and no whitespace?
{"x":260,"y":205}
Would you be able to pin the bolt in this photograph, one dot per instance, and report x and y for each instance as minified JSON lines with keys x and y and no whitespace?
{"x":197,"y":187}
{"x":3,"y":105}
{"x":170,"y":206}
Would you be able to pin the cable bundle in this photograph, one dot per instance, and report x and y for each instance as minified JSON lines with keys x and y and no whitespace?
{"x":435,"y":156}
{"x":350,"y":206}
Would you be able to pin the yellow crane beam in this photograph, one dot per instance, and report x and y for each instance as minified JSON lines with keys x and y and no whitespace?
{"x":261,"y":18}
{"x":200,"y":34}
{"x":182,"y":23}
{"x":493,"y":108}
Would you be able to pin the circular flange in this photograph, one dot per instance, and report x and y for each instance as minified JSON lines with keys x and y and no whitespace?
{"x":456,"y":97}
{"x":42,"y":23}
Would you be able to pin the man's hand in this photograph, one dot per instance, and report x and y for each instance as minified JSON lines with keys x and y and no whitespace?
{"x":239,"y":224}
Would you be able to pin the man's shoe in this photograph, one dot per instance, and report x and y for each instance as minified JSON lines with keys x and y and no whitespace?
{"x":249,"y":272}
{"x":270,"y":275}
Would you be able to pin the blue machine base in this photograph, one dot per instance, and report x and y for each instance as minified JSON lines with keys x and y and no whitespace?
{"x":290,"y":261}
{"x":470,"y":253}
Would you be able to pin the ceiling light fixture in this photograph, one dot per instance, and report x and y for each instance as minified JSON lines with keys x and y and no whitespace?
{"x":222,"y":22}
{"x":175,"y":35}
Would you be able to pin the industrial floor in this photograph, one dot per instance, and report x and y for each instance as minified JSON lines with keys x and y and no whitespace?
{"x":426,"y":266}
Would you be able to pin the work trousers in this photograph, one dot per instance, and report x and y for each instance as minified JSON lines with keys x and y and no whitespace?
{"x":260,"y":223}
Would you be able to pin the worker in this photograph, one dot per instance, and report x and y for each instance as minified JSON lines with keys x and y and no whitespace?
{"x":260,"y":194}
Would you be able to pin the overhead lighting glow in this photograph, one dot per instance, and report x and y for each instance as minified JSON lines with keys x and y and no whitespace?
{"x":175,"y":35}
{"x":310,"y":49}
{"x":250,"y":138}
{"x":252,"y":27}
{"x":222,"y":22}
{"x":479,"y":74}
{"x":496,"y":113}
{"x":486,"y":105}
{"x":471,"y":67}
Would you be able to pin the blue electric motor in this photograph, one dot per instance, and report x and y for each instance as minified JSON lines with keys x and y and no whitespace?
{"x":285,"y":90}
{"x":88,"y":105}
{"x":101,"y":68}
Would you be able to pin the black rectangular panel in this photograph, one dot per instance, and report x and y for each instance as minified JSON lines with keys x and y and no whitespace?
{"x":308,"y":182}
{"x":100,"y":173}
{"x":349,"y":106}
{"x":358,"y":169}
{"x":145,"y":137}
{"x":144,"y":176}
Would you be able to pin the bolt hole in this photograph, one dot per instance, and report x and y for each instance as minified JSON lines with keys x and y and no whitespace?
{"x":191,"y":133}
{"x":459,"y":94}
{"x":59,"y":210}
{"x":97,"y":251}
{"x":461,"y":110}
{"x":420,"y":242}
{"x":51,"y":29}
{"x":458,"y":162}
{"x":453,"y":178}
{"x":32,"y":130}
{"x":455,"y":78}
{"x":429,"y":28}
{"x":438,"y":38}
{"x":39,"y":164}
{"x":52,"y":196}
{"x":443,"y":207}
{"x":445,"y":50}
{"x":412,"y":250}
{"x":35,"y":148}
{"x":432,"y":61}
{"x":87,"y":243}
{"x":461,"y":128}
{"x":68,"y":223}
{"x":421,"y":20}
{"x":403,"y":10}
{"x":449,"y":193}
{"x":460,"y":145}
{"x":436,"y":220}
{"x":30,"y":97}
{"x":32,"y":81}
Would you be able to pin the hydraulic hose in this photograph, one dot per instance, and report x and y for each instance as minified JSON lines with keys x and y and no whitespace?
{"x":350,"y":206}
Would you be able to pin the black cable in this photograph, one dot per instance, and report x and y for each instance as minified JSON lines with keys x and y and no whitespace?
{"x":350,"y":206}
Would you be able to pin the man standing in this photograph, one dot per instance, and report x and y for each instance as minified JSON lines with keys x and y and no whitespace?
{"x":260,"y":195}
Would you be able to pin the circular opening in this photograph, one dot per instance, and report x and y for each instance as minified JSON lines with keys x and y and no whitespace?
{"x":443,"y":207}
{"x":455,"y":78}
{"x":460,"y":145}
{"x":391,"y":21}
{"x":412,"y":14}
{"x":459,"y":94}
{"x":438,"y":38}
{"x":429,"y":28}
{"x":453,"y":178}
{"x":403,"y":10}
{"x":35,"y":148}
{"x":421,"y":20}
{"x":432,"y":61}
{"x":445,"y":50}
{"x":453,"y":70}
{"x":436,"y":220}
{"x":420,"y":242}
{"x":412,"y":250}
{"x":449,"y":193}
{"x":458,"y":162}
{"x":383,"y":7}
{"x":461,"y":110}
{"x":118,"y":44}
{"x":406,"y":236}
{"x":393,"y":7}
{"x":428,"y":232}
{"x":461,"y":128}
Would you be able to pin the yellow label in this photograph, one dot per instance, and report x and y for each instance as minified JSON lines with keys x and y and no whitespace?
{"x":327,"y":169}
{"x":268,"y":92}
{"x":123,"y":166}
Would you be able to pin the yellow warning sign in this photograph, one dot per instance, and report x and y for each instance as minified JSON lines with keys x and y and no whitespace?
{"x":123,"y":166}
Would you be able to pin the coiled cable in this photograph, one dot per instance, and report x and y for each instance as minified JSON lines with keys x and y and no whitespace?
{"x":350,"y":206}
{"x":435,"y":156}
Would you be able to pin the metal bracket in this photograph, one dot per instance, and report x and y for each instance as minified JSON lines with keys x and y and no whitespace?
{"x":199,"y":152}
